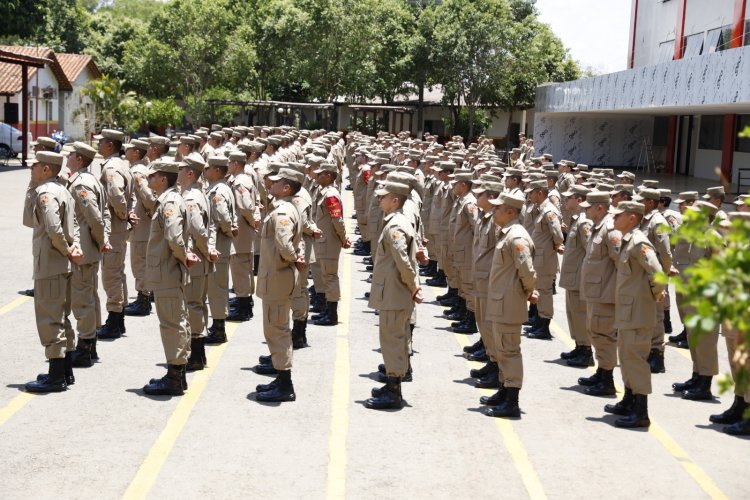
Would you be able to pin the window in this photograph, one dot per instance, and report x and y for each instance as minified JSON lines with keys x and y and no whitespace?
{"x":661,"y":131}
{"x":693,"y":45}
{"x":742,"y":145}
{"x":747,"y":32}
{"x":711,"y":135}
{"x":666,"y":51}
{"x":718,"y":39}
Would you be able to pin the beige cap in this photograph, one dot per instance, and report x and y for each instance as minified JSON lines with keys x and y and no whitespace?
{"x":576,"y":189}
{"x":483,"y":186}
{"x":139,"y":144}
{"x":687,"y":196}
{"x":237,"y":156}
{"x":157,"y":139}
{"x":392,"y":188}
{"x":188,"y":139}
{"x":596,"y":197}
{"x":626,"y":175}
{"x":647,"y":194}
{"x":326,"y":167}
{"x":84,"y":149}
{"x":218,"y":161}
{"x":713,"y":192}
{"x":704,"y":205}
{"x":194,"y":160}
{"x":111,"y":134}
{"x":630,"y":207}
{"x":166,"y":166}
{"x":536,"y":185}
{"x":623,"y":188}
{"x":47,"y":142}
{"x":462,"y":177}
{"x":739,"y":216}
{"x":288,"y":174}
{"x":512,"y":200}
{"x":49,"y":158}
{"x":741,"y":199}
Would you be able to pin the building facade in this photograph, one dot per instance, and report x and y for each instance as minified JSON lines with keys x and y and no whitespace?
{"x":684,"y":97}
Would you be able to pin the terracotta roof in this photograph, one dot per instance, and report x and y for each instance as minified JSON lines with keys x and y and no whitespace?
{"x":73,"y":64}
{"x":10,"y":74}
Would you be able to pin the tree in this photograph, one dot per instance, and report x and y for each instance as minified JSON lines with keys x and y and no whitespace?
{"x":107,"y":40}
{"x":114,"y":107}
{"x":162,"y":113}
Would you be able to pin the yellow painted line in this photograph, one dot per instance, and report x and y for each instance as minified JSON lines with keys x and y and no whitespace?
{"x":148,"y":472}
{"x":669,"y":444}
{"x":338,"y":436}
{"x":13,"y":304}
{"x":511,"y":440}
{"x":15,"y":404}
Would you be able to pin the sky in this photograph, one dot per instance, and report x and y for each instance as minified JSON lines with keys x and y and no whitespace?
{"x":594,"y":31}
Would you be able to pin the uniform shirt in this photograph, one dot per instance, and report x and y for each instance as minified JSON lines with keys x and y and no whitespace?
{"x":55,"y":229}
{"x":201,"y":232}
{"x":248,"y":213}
{"x":395,"y":278}
{"x":575,"y":251}
{"x":167,"y":243}
{"x":144,"y":201}
{"x":512,"y":276}
{"x":656,"y":228}
{"x":223,"y":216}
{"x":637,"y":264}
{"x":280,"y":244}
{"x":329,"y":217}
{"x":303,"y":203}
{"x":599,"y":268}
{"x":547,"y":238}
{"x":485,"y":239}
{"x":92,"y":214}
{"x":463,"y":220}
{"x":118,"y":183}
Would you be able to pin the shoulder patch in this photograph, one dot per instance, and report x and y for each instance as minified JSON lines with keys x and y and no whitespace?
{"x":284,"y":222}
{"x":216,"y":199}
{"x":520,"y":247}
{"x":44,"y":199}
{"x":169,"y":212}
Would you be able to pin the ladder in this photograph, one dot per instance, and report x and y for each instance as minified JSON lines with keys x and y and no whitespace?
{"x":646,"y":157}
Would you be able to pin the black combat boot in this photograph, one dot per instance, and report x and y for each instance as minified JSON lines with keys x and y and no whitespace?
{"x":741,"y":428}
{"x":495,"y":399}
{"x":459,"y":314}
{"x":113,"y":327}
{"x":701,"y":390}
{"x":141,"y":306}
{"x":82,"y":356}
{"x":584,"y":359}
{"x":571,"y":354}
{"x":469,"y":325}
{"x":592,"y":380}
{"x":480,"y":355}
{"x":53,"y":381}
{"x":439,"y":280}
{"x":733,"y":414}
{"x":318,"y":303}
{"x":489,"y":367}
{"x":667,"y":321}
{"x":364,"y":250}
{"x":217,"y":334}
{"x":452,"y":292}
{"x":281,"y":391}
{"x":332,"y":316}
{"x":604,"y":387}
{"x":169,"y":385}
{"x":490,"y":380}
{"x":638,"y":417}
{"x":299,"y":336}
{"x":389,"y":396}
{"x":197,"y":359}
{"x":541,"y":332}
{"x":479,"y":344}
{"x":242,"y":311}
{"x":688,"y":384}
{"x":265,"y":368}
{"x":622,"y":407}
{"x":533,"y":315}
{"x":265,"y":359}
{"x":509,"y":407}
{"x":680,"y":337}
{"x":656,"y":361}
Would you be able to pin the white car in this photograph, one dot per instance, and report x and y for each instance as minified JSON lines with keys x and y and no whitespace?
{"x":10,"y":141}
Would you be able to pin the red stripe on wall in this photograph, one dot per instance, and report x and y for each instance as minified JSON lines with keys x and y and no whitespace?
{"x":679,"y":39}
{"x":635,"y":29}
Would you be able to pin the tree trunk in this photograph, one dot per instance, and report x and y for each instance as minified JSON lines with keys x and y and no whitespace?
{"x":472,"y":114}
{"x":420,"y":112}
{"x":507,"y":131}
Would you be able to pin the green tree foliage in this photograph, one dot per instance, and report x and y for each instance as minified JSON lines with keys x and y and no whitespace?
{"x":114,"y":107}
{"x":162,"y":113}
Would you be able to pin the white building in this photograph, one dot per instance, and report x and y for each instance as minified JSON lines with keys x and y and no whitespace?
{"x":686,"y":93}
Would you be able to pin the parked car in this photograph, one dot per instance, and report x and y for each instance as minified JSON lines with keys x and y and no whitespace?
{"x":10,"y":141}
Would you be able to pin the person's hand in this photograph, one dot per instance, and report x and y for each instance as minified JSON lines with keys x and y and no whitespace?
{"x":107,"y":247}
{"x":417,"y":297}
{"x":560,"y":249}
{"x":317,"y":233}
{"x":534,"y":297}
{"x":300,"y":262}
{"x":564,"y":226}
{"x":256,"y":225}
{"x":422,"y":256}
{"x":235,"y":231}
{"x":75,"y":255}
{"x":133,"y":219}
{"x":662,"y":296}
{"x":213,"y":255}
{"x":347,"y":244}
{"x":191,"y":259}
{"x":673,"y":271}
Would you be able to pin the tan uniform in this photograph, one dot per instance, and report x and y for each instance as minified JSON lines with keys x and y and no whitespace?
{"x":395,"y":280}
{"x":167,"y":276}
{"x":201,"y":237}
{"x":570,"y":278}
{"x":118,"y":183}
{"x":55,"y":232}
{"x":144,"y":210}
{"x":445,"y":205}
{"x":374,"y":216}
{"x":485,"y":239}
{"x":360,"y":187}
{"x":512,"y":280}
{"x":430,"y":187}
{"x":598,"y":281}
{"x":280,"y":246}
{"x":461,"y":229}
{"x":223,"y":216}
{"x":301,"y":299}
{"x":94,"y":227}
{"x":329,"y":217}
{"x":564,"y":182}
{"x":247,"y":206}
{"x":547,"y":237}
{"x":635,"y":309}
{"x":656,"y":228}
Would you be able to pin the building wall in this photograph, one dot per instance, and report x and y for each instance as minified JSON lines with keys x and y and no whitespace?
{"x":43,"y":119}
{"x":77,"y":126}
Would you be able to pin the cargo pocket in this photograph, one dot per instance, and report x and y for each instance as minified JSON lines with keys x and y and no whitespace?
{"x":378,"y":288}
{"x":495,"y":307}
{"x":154,"y":268}
{"x":262,"y":284}
{"x":593,"y":286}
{"x":624,"y":308}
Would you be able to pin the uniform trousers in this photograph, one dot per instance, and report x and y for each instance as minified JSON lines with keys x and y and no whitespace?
{"x":633,"y":346}
{"x":329,"y":273}
{"x":317,"y":277}
{"x":138,"y":264}
{"x":218,"y":290}
{"x":657,"y":333}
{"x":600,"y":321}
{"x":173,"y":324}
{"x":575,"y":310}
{"x":394,"y":340}
{"x":196,"y":293}
{"x":732,"y":338}
{"x":84,"y":299}
{"x":277,"y":332}
{"x":467,"y":287}
{"x":507,"y":344}
{"x":51,"y":310}
{"x":300,"y":298}
{"x":544,"y":283}
{"x":114,"y":281}
{"x":243,"y":280}
{"x":485,"y":326}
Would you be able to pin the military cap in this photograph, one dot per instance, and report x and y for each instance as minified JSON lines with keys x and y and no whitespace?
{"x":686,"y":196}
{"x":513,"y":172}
{"x":603,"y":186}
{"x":547,"y":156}
{"x":267,"y":130}
{"x":47,"y":142}
{"x":274,"y":167}
{"x":111,"y":134}
{"x":188,"y":139}
{"x":596,"y":197}
{"x":165,"y":166}
{"x":713,"y":192}
{"x":626,"y":175}
{"x":567,"y":163}
{"x":296,"y":166}
{"x":227,"y":130}
{"x":67,"y":149}
{"x":194,"y":161}
{"x":582,"y":167}
{"x":445,"y":165}
{"x":515,"y":151}
{"x":217,"y":136}
{"x":576,"y":190}
{"x":49,"y":158}
{"x":157,"y":139}
{"x":462,"y":177}
{"x":649,"y":184}
{"x":387,"y":187}
{"x":406,"y":168}
{"x":739,"y":216}
{"x":237,"y":156}
{"x":552,"y":173}
{"x":215,"y":127}
{"x":512,"y":200}
{"x":84,"y":149}
{"x":288,"y":174}
{"x":326,"y":167}
{"x":275,"y":140}
{"x":201,"y":133}
{"x":218,"y":161}
{"x":385,"y":168}
{"x":536,"y":185}
{"x":489,"y":177}
{"x":647,"y":194}
{"x":262,"y":140}
{"x":548,"y":165}
{"x":704,"y":205}
{"x":402,"y":178}
{"x":483,"y":186}
{"x":608,"y":172}
{"x":741,"y":199}
{"x":632,"y":207}
{"x":432,"y":158}
{"x":665,"y":193}
{"x":624,"y":188}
